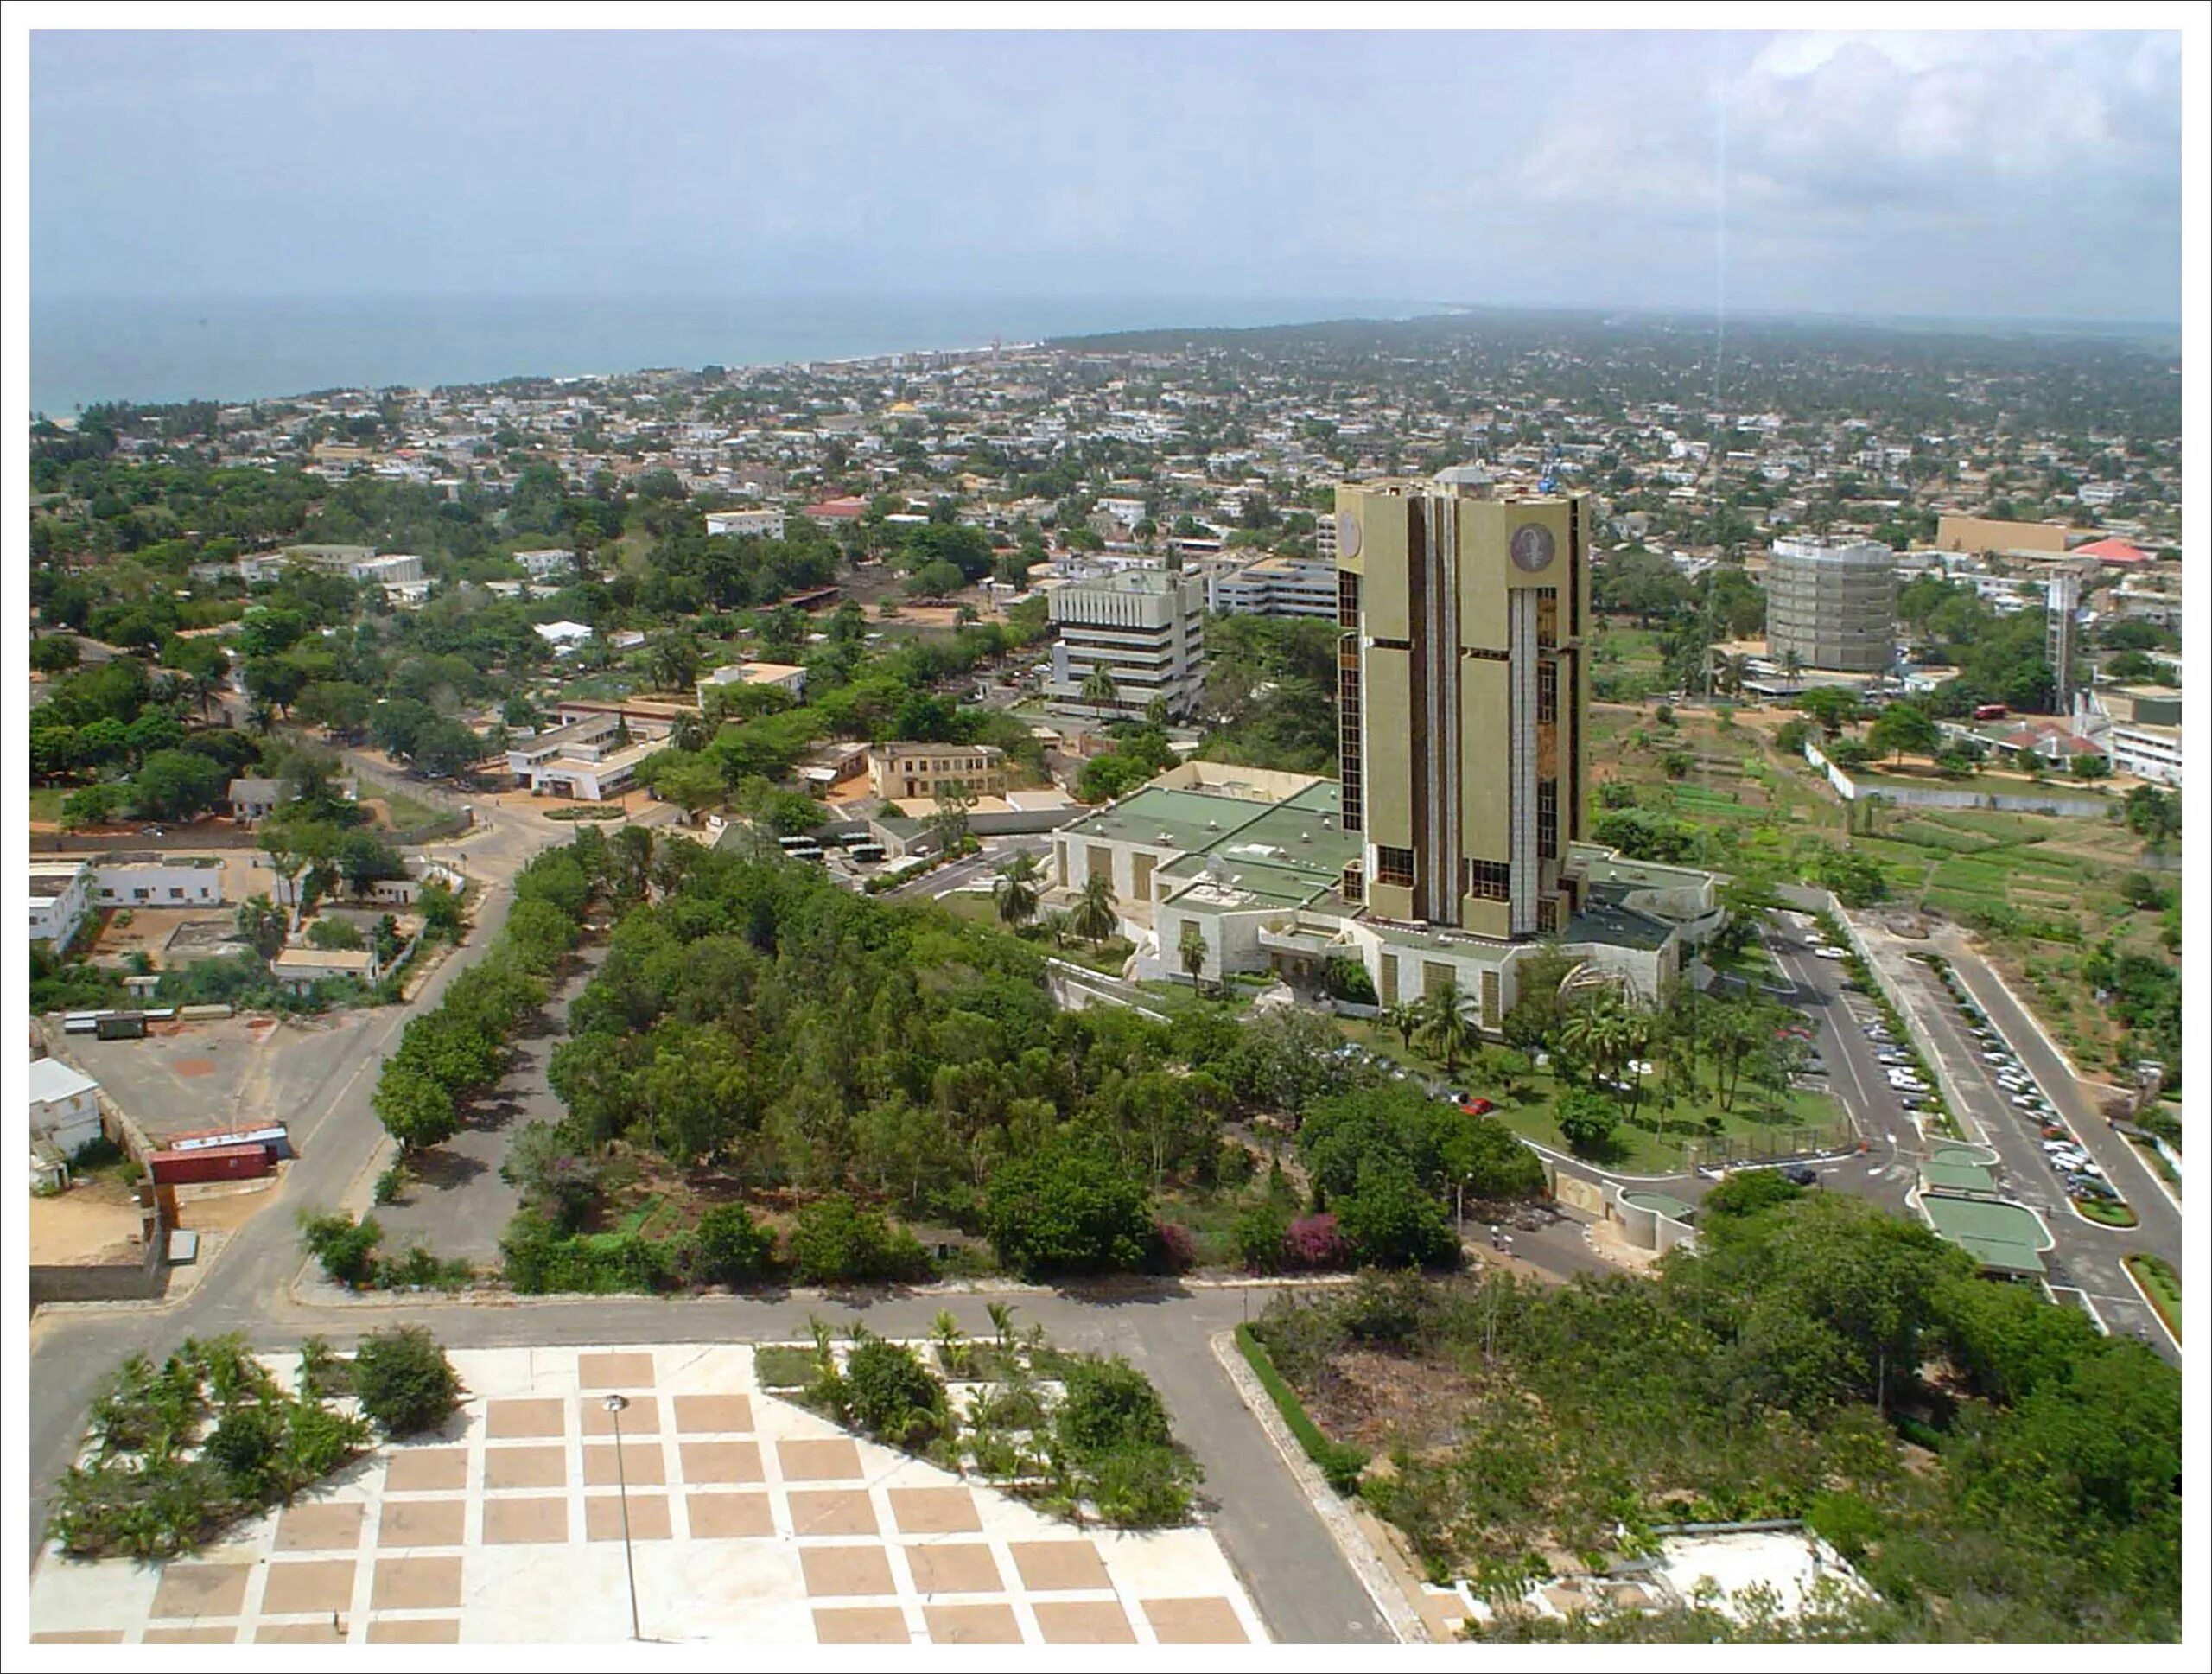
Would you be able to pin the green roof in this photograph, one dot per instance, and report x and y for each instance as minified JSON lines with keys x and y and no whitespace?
{"x":1672,"y":1207}
{"x":1939,"y":1175}
{"x":2003,"y":1237}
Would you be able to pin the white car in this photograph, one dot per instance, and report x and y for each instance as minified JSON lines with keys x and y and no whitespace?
{"x":1829,"y":953}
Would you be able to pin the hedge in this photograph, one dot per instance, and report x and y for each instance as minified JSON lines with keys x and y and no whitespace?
{"x":1341,"y":1463}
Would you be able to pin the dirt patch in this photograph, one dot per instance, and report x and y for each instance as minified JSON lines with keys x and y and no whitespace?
{"x":85,"y":1225}
{"x":1377,"y":1399}
{"x":194,"y":1067}
{"x":226,"y":1214}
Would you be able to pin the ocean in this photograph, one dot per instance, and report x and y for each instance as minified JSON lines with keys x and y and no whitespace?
{"x":167,"y":349}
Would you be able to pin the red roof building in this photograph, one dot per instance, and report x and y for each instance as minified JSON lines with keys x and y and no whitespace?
{"x":2111,"y":551}
{"x":848,"y":509}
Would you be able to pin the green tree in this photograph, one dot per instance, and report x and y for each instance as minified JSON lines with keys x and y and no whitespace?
{"x":1904,"y":727}
{"x":1068,"y":1209}
{"x":415,"y":1109}
{"x":1093,"y":917}
{"x":1389,"y":1221}
{"x":262,"y":924}
{"x":1098,"y":688}
{"x":732,"y":1247}
{"x":1446,"y":1031}
{"x":1587,"y":1121}
{"x":1191,"y":950}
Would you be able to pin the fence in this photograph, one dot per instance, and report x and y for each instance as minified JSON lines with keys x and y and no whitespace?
{"x":1932,"y":796}
{"x":1776,"y":1144}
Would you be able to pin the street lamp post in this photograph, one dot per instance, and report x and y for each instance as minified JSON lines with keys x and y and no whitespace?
{"x":615,"y":1404}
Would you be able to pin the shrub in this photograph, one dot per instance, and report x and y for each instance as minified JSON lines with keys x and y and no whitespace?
{"x":1313,"y":1243}
{"x":1174,"y":1250}
{"x":1389,"y":1221}
{"x":1749,"y":1191}
{"x":1341,"y":1463}
{"x":1258,"y":1234}
{"x":1108,"y":1404}
{"x":404,"y":1381}
{"x":891,"y":1395}
{"x":728,"y":1247}
{"x":836,"y":1241}
{"x":346,"y":1251}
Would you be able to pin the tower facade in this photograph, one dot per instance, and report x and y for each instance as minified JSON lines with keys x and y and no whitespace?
{"x":1464,"y":701}
{"x":1834,"y":602}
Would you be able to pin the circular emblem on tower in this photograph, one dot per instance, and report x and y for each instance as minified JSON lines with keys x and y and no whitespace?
{"x":1532,"y":547}
{"x":1347,"y":535}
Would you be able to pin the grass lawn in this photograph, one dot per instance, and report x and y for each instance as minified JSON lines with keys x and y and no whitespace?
{"x":1751,"y":1129}
{"x":46,"y":802}
{"x":407,"y":814}
{"x":2163,"y":1285}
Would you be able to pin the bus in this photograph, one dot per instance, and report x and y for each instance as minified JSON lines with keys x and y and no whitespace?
{"x":811,"y":851}
{"x":791,"y":845}
{"x":868,"y":854}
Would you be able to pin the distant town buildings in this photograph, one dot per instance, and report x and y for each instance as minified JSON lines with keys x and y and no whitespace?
{"x":1277,"y":587}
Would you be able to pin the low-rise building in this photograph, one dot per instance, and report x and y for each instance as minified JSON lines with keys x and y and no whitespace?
{"x":2138,"y":728}
{"x":543,"y":562}
{"x":901,"y":771}
{"x":61,"y":893}
{"x":563,"y":637}
{"x":299,"y":969}
{"x":765,"y":521}
{"x":1277,"y":587}
{"x":784,"y":676}
{"x":65,"y":1106}
{"x":146,"y":880}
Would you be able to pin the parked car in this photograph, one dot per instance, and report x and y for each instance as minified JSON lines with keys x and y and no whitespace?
{"x":1829,"y":953}
{"x":1477,"y":1107}
{"x":1798,"y":1175}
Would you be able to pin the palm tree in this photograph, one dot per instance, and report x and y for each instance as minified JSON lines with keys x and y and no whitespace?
{"x":1098,"y":688}
{"x":1055,"y":923}
{"x":1405,"y":1017}
{"x":1093,"y":917}
{"x":1792,"y":665}
{"x":1016,"y":890}
{"x":1443,"y":1030}
{"x":1190,"y":948}
{"x":1591,"y":1031}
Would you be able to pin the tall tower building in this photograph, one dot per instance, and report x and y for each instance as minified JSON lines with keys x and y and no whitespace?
{"x":1463,"y":701}
{"x":1832,"y":601}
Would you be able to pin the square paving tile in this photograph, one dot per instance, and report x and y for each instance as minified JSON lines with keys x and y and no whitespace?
{"x":641,"y":1417}
{"x":443,"y":1630}
{"x":314,"y":1586}
{"x":709,"y":1415}
{"x":1060,"y":1566}
{"x":956,"y":1567}
{"x":508,"y":1421}
{"x":879,"y":1625}
{"x":628,"y":1373}
{"x":299,"y":1633}
{"x":81,"y":1636}
{"x":720,"y":1461}
{"x":1083,"y":1621}
{"x":935,"y":1512}
{"x":846,"y":1572}
{"x":972,"y":1624}
{"x":508,"y":1468}
{"x":832,"y":1461}
{"x":1194,"y":1621}
{"x":426,"y":1470}
{"x":332,"y":1527}
{"x":201,"y":1589}
{"x":542,"y":1520}
{"x":415,"y":1583}
{"x":641,"y":1462}
{"x":648,"y":1517}
{"x":421,"y":1523}
{"x":729,"y":1516}
{"x":190,"y":1636}
{"x":832,"y":1511}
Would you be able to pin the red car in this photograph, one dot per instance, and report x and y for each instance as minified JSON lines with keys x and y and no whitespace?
{"x":1478,"y":1107}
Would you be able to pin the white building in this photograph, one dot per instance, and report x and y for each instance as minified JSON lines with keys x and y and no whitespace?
{"x":563,"y":637}
{"x":65,"y":1106}
{"x":544,"y":561}
{"x":61,"y":892}
{"x":586,"y":759}
{"x":1278,"y":587}
{"x":152,"y":880}
{"x":1145,"y":628}
{"x":765,"y":521}
{"x":784,"y":676}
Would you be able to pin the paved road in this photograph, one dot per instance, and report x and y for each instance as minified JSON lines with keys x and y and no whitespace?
{"x":2088,"y":1258}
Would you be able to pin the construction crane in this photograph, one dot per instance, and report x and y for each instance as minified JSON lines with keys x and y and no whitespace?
{"x":1549,"y":480}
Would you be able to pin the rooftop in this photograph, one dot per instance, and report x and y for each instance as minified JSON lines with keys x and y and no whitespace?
{"x":2003,"y":1237}
{"x":50,"y":1078}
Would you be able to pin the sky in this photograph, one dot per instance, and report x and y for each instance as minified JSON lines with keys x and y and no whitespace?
{"x":1959,"y":175}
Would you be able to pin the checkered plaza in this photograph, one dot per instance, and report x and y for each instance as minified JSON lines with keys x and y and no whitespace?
{"x":749,"y":1518}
